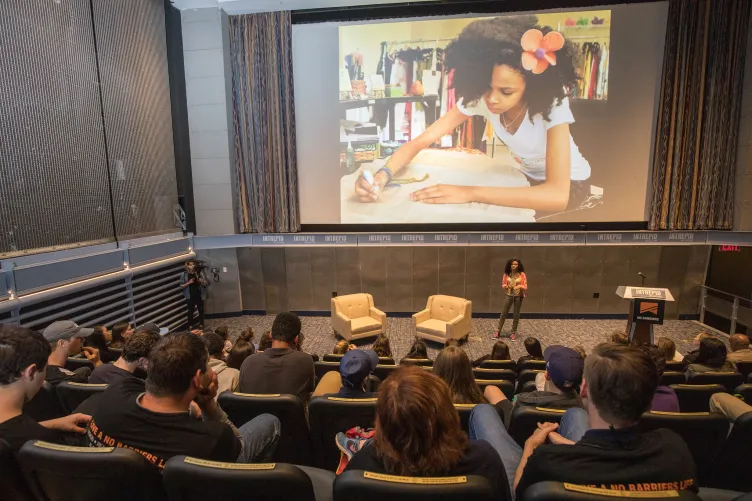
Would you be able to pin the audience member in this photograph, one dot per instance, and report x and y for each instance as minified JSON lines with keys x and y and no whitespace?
{"x":246,"y":335}
{"x":619,"y":383}
{"x":382,"y":347}
{"x":134,"y":356}
{"x":740,"y":351}
{"x":224,"y":333}
{"x":619,"y":337}
{"x":152,"y":327}
{"x":691,"y":357}
{"x":453,"y":366}
{"x":23,"y":357}
{"x":65,"y":339}
{"x":664,"y":399}
{"x":730,"y":405}
{"x":451,"y":342}
{"x":711,"y":357}
{"x":240,"y":351}
{"x":499,"y":351}
{"x":157,"y":423}
{"x":418,"y":434}
{"x":418,"y":351}
{"x":281,"y":368}
{"x":265,"y":342}
{"x":121,"y":333}
{"x":668,"y":350}
{"x":342,"y":347}
{"x":227,"y":378}
{"x":534,"y":351}
{"x":100,"y":340}
{"x":350,"y":382}
{"x":581,"y":350}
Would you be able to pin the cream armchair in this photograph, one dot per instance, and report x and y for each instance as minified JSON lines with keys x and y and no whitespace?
{"x":444,"y":317}
{"x":354,"y":316}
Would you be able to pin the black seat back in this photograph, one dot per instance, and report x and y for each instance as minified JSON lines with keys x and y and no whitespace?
{"x":525,"y":419}
{"x":532,"y":365}
{"x":704,"y":433}
{"x":331,"y":357}
{"x":505,"y":386}
{"x":191,"y":479}
{"x":499,"y":364}
{"x":495,"y":374}
{"x":12,"y":484}
{"x":331,"y":415}
{"x":76,"y":363}
{"x":674,"y":366}
{"x":72,"y":395}
{"x":549,"y":491}
{"x":464,"y":410}
{"x":527,"y":375}
{"x":744,"y":368}
{"x":528,"y":387}
{"x":45,"y":405}
{"x":382,"y":371}
{"x":359,"y":485}
{"x":673,"y":377}
{"x":63,"y":473}
{"x":728,"y":379}
{"x":386,"y":361}
{"x":423,"y":362}
{"x":745,"y":392}
{"x":730,"y":470}
{"x":294,"y":444}
{"x":322,"y":368}
{"x":695,"y":397}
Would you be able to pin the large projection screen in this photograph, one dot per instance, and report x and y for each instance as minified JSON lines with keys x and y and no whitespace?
{"x":510,"y":118}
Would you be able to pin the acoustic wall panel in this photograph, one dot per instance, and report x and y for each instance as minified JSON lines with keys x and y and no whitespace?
{"x":251,"y":278}
{"x":53,"y":180}
{"x":132,"y":51}
{"x":373,"y":266}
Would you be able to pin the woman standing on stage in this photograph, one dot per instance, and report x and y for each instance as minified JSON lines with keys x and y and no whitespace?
{"x":515,"y":286}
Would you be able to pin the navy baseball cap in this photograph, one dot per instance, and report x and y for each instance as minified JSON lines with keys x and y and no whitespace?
{"x":356,"y":366}
{"x":564,"y":366}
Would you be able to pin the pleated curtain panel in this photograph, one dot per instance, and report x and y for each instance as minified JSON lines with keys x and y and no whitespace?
{"x":264,"y":120}
{"x":698,"y":115}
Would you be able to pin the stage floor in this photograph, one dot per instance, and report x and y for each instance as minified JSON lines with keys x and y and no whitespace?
{"x":319,"y":338}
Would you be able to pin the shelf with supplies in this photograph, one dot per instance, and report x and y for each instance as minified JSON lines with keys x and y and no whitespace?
{"x":430,"y":102}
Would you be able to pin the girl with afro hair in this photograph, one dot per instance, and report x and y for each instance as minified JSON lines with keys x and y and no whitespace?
{"x":517,"y":75}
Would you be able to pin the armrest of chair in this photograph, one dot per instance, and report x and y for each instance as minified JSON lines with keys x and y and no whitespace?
{"x":377,"y":314}
{"x":422,"y":316}
{"x":459,"y":325}
{"x":341,"y":323}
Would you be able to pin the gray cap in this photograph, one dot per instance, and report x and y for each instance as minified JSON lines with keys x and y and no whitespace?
{"x":65,"y":329}
{"x":152,"y":327}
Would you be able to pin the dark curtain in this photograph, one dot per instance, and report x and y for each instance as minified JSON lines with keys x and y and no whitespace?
{"x":264,"y":118}
{"x":698,"y":115}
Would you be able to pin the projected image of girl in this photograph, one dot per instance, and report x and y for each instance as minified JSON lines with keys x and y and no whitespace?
{"x":518,"y":75}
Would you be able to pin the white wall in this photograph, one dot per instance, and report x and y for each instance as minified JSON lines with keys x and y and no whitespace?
{"x":205,"y":47}
{"x":743,"y":194}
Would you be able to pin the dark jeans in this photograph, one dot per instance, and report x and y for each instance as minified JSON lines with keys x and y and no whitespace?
{"x":195,"y":303}
{"x":508,"y":302}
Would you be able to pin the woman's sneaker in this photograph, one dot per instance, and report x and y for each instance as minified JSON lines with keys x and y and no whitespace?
{"x":495,"y":335}
{"x":513,"y":336}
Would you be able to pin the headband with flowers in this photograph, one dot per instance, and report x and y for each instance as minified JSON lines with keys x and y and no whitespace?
{"x":539,"y":51}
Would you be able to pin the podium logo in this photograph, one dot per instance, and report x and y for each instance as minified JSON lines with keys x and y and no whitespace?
{"x":649,"y":308}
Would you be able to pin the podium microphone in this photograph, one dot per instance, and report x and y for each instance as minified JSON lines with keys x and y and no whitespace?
{"x":643,"y":277}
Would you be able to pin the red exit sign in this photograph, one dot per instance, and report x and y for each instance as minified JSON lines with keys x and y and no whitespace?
{"x":729,"y":248}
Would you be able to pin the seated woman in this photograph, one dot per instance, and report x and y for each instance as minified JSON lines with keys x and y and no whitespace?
{"x":451,"y":342}
{"x":664,"y":398}
{"x":710,"y":358}
{"x":418,"y":351}
{"x":224,"y":331}
{"x":121,"y":332}
{"x":382,"y":347}
{"x":418,"y":434}
{"x":453,"y":366}
{"x":668,"y":350}
{"x":239,"y":352}
{"x":342,"y":347}
{"x":500,"y":351}
{"x":99,"y":339}
{"x":266,"y":341}
{"x":534,"y":351}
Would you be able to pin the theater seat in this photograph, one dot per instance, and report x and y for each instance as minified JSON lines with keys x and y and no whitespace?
{"x":359,"y":485}
{"x":422,"y":362}
{"x":383,"y":371}
{"x":322,"y":368}
{"x":45,"y":405}
{"x":191,"y":479}
{"x":695,"y":397}
{"x":386,"y":361}
{"x":499,"y":364}
{"x":535,"y":365}
{"x":505,"y":386}
{"x":745,"y":391}
{"x":331,"y":357}
{"x":704,"y":433}
{"x":331,"y":415}
{"x":673,"y":377}
{"x":294,"y":444}
{"x":63,"y":473}
{"x":555,"y":491}
{"x":12,"y":484}
{"x":527,"y":375}
{"x":730,"y":470}
{"x":744,"y":368}
{"x":525,"y":419}
{"x":728,"y":379}
{"x":464,"y":410}
{"x":76,"y":363}
{"x":495,"y":374}
{"x":528,"y":387}
{"x":72,"y":395}
{"x":674,"y":366}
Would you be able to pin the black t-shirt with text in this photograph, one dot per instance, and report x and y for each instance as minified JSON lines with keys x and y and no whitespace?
{"x":22,"y":428}
{"x":624,"y":460}
{"x":120,"y":421}
{"x":56,"y":375}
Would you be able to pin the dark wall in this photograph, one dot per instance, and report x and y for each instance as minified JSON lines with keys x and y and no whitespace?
{"x":562,"y":280}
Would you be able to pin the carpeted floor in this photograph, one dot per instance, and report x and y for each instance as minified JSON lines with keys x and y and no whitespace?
{"x":320,"y":339}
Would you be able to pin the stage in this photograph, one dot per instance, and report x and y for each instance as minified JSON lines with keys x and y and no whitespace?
{"x":319,"y":338}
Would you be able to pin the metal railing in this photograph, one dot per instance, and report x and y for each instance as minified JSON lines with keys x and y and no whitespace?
{"x":735,"y":309}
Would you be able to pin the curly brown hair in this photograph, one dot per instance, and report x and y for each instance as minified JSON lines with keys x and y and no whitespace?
{"x":487,"y":43}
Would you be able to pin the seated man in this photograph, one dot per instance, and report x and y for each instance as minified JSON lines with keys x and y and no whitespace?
{"x":157,"y":423}
{"x":23,"y":357}
{"x":66,"y":340}
{"x":618,"y":387}
{"x":281,"y":368}
{"x":134,"y":356}
{"x":354,"y":369}
{"x":740,"y":351}
{"x":227,"y":378}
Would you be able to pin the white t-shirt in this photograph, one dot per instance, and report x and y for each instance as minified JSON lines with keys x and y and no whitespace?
{"x":528,"y":143}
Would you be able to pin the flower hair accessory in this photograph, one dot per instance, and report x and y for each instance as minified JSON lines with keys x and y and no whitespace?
{"x":539,"y":51}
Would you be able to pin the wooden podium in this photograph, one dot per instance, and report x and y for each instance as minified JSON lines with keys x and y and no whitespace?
{"x":646,"y":309}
